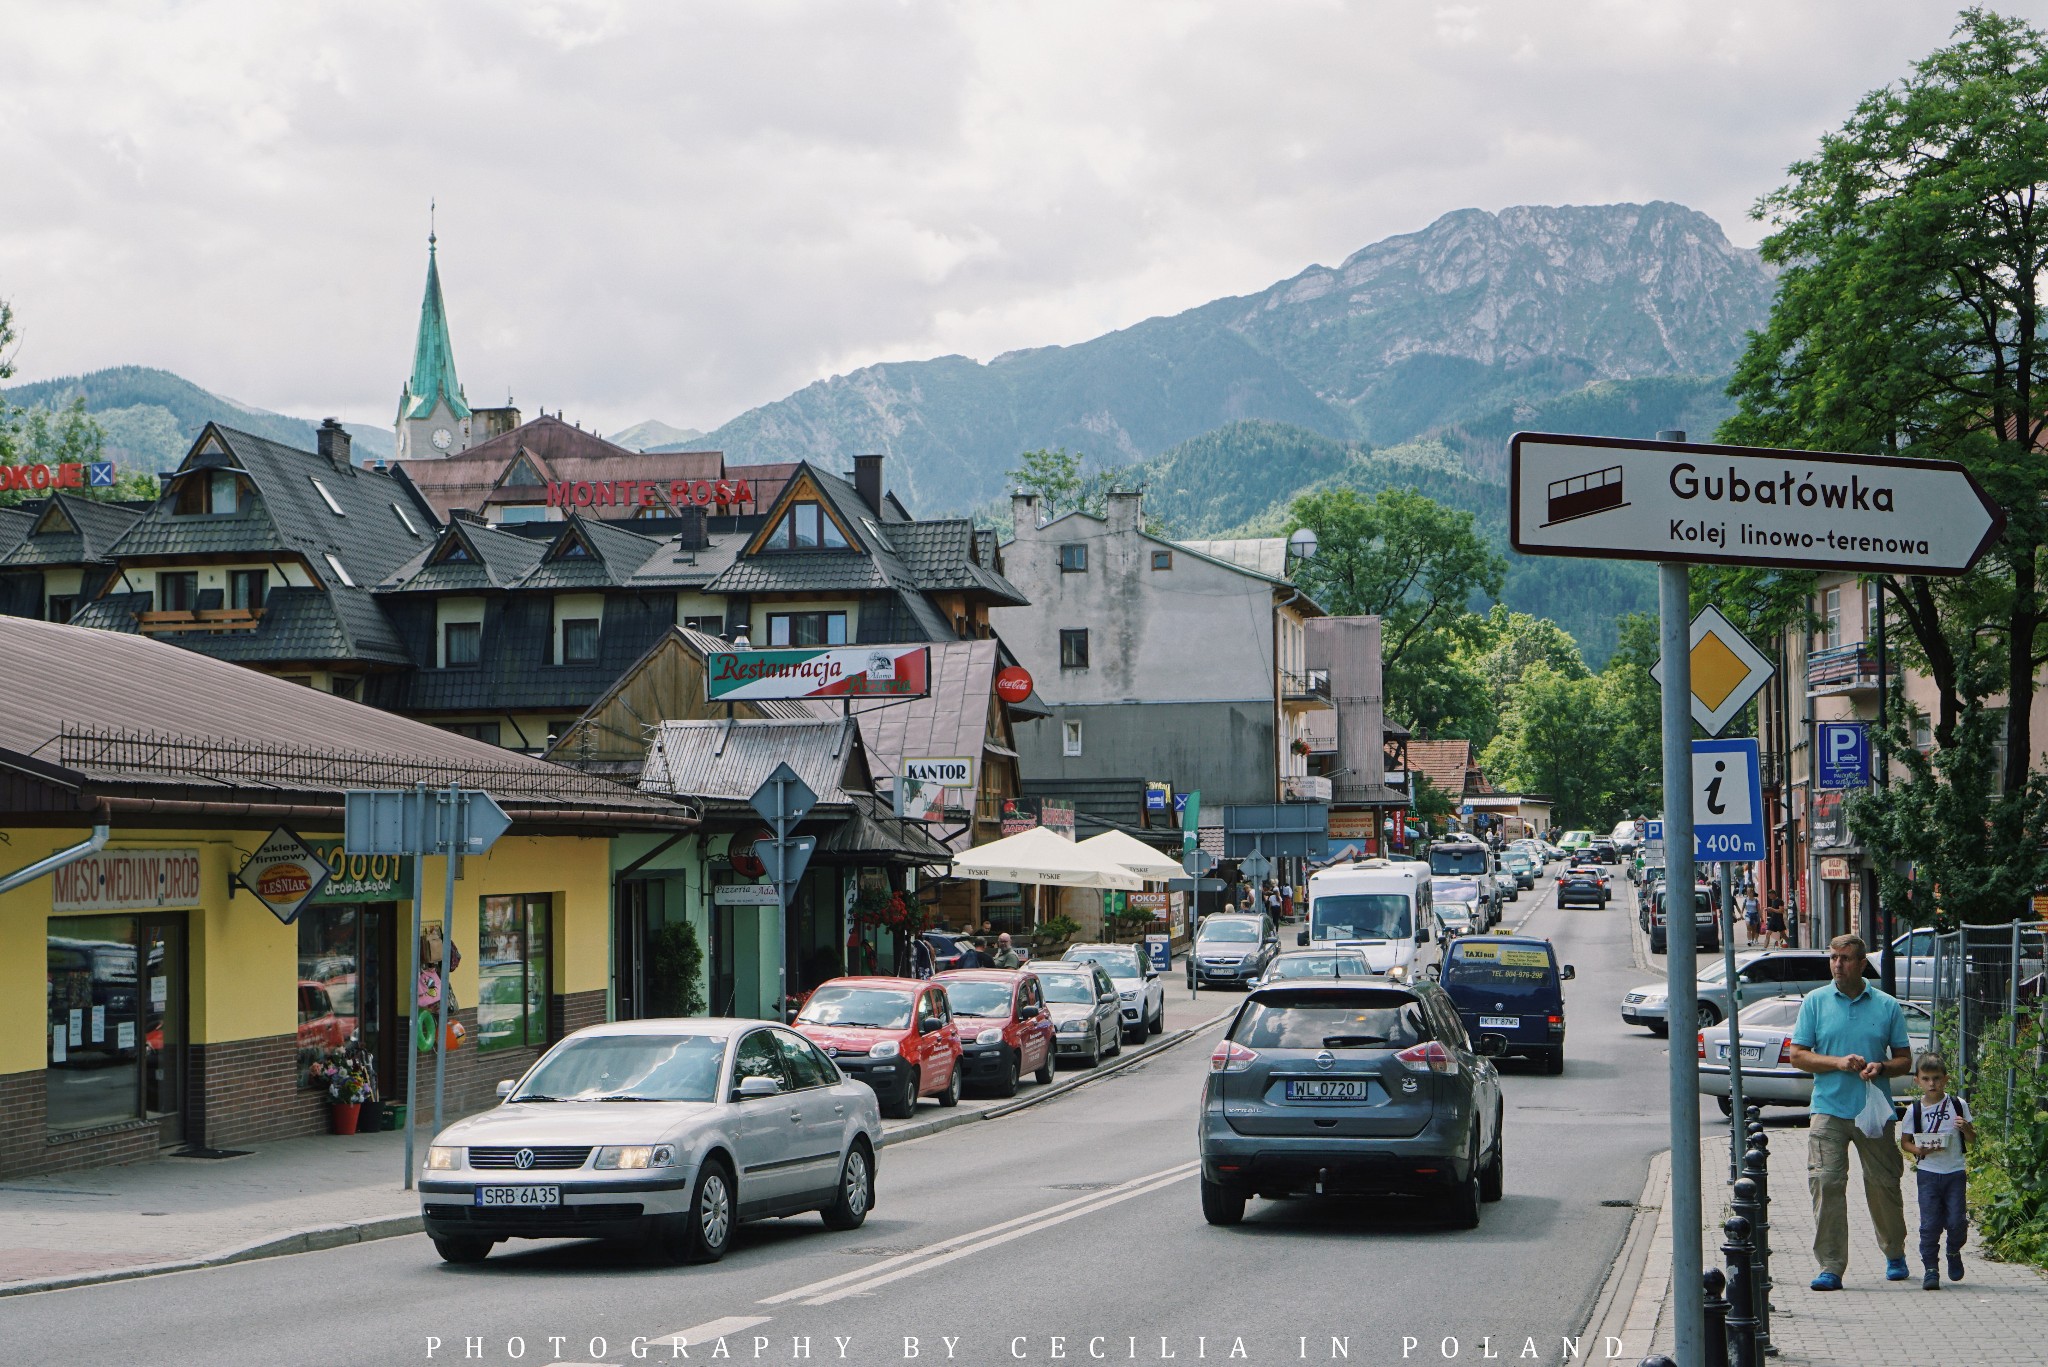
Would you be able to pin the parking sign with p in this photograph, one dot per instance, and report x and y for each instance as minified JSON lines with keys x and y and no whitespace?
{"x":1844,"y":754}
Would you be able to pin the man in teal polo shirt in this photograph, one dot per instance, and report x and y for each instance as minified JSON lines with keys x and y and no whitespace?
{"x":1850,"y":1034}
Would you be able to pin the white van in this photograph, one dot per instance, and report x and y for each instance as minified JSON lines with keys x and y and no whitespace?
{"x":1381,"y":908}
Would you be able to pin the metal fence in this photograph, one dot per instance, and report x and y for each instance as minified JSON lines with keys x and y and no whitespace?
{"x":1986,"y":977}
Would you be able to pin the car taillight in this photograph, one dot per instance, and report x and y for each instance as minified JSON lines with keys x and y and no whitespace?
{"x":1703,"y":1044}
{"x":1430,"y":1056}
{"x":1231,"y":1057}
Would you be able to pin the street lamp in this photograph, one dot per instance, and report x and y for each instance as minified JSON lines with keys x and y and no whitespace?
{"x":1302,"y":544}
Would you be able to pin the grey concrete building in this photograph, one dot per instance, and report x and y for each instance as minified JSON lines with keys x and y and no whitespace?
{"x":1158,"y":660}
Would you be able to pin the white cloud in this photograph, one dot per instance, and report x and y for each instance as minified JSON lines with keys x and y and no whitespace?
{"x":679,"y":211}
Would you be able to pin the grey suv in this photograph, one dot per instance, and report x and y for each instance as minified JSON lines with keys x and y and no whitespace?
{"x":1320,"y":1088}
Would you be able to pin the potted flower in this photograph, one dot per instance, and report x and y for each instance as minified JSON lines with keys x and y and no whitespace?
{"x":1299,"y":745}
{"x":351,"y":1082}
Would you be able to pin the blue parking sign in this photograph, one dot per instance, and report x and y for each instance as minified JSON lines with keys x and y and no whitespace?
{"x":1844,"y":754}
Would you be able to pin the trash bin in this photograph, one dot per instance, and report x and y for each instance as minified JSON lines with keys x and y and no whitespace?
{"x":394,"y":1115}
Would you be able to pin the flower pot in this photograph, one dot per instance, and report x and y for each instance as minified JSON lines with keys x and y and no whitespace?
{"x":343,"y":1115}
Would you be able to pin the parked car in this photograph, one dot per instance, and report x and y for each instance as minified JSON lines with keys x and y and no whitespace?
{"x":1138,"y":987}
{"x":1512,"y":986}
{"x":1762,"y":973}
{"x":1087,"y":1014}
{"x":1316,"y":963}
{"x":895,"y":1034}
{"x":1915,"y":966}
{"x":742,"y":1120}
{"x":1768,"y":1079}
{"x":1706,"y":917}
{"x":1331,"y":1088}
{"x":320,"y":1025}
{"x":1581,"y":887}
{"x":1232,"y":949}
{"x":1005,"y":1031}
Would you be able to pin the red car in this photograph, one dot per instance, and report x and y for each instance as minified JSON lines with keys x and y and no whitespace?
{"x":1005,"y":1030}
{"x":895,"y":1034}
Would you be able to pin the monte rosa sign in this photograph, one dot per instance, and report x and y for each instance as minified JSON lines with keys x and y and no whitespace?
{"x":831,"y":672}
{"x":1738,"y":505}
{"x":648,"y":493}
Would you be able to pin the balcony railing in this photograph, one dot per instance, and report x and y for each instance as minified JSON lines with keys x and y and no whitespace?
{"x":204,"y":619}
{"x":1845,"y":669}
{"x":1311,"y":688}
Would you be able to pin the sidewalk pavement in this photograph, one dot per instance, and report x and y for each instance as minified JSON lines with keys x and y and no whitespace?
{"x":1997,"y":1316}
{"x":296,"y":1195}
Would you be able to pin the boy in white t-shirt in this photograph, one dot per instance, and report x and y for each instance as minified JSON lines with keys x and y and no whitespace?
{"x":1935,"y":1132}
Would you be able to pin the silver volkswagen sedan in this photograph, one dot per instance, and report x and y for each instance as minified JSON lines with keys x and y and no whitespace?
{"x":668,"y":1132}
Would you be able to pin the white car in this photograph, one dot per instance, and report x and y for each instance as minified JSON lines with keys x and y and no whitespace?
{"x":1767,"y":1078}
{"x":1141,"y":994}
{"x":666,"y":1132}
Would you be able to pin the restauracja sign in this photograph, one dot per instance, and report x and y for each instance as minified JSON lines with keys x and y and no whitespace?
{"x":648,"y":493}
{"x":835,"y":672}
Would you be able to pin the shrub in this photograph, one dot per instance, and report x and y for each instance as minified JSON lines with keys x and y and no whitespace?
{"x":2009,"y":1165}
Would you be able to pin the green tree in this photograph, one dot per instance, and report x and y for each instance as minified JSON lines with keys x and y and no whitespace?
{"x":1554,"y":739}
{"x":1055,"y":476}
{"x":43,"y":435}
{"x":1632,"y":709}
{"x":1513,"y":641}
{"x":1414,"y":564}
{"x":1913,"y":288}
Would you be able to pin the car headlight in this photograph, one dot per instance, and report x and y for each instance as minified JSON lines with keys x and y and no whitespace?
{"x":1071,"y":1027}
{"x":636,"y":1156}
{"x":887,"y":1048}
{"x":443,"y":1159}
{"x":1398,"y":971}
{"x":989,"y":1036}
{"x":1128,"y":996}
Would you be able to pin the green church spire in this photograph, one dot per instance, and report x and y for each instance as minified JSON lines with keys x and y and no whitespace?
{"x":433,"y":356}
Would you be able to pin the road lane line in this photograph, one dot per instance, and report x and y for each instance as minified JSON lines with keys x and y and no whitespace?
{"x":953,"y":1254}
{"x":710,"y":1329}
{"x":1178,"y":1170}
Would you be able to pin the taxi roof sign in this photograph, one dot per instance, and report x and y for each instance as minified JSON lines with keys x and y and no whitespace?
{"x":1727,"y":670}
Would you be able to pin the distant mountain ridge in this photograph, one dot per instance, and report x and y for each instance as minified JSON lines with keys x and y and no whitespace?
{"x":1475,"y":315}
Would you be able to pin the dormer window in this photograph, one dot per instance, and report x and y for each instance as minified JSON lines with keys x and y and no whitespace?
{"x":456,"y":554}
{"x":201,"y":493}
{"x":575,"y":550}
{"x":805,"y":527}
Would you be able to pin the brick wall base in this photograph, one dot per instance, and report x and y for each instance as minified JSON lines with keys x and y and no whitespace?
{"x":26,"y":1148}
{"x":247,"y":1091}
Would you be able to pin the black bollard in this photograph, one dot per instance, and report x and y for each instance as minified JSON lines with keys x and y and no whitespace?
{"x":1735,"y":1251}
{"x":1656,"y":1360}
{"x":1715,"y":1342}
{"x":1756,"y":1169}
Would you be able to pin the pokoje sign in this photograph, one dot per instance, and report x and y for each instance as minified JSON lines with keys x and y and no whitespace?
{"x":69,"y":475}
{"x":648,"y":493}
{"x":834,"y":672}
{"x":128,"y":880}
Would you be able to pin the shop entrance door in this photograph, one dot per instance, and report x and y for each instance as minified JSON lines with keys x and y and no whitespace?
{"x":347,"y":986}
{"x":639,"y":914}
{"x":161,"y":947}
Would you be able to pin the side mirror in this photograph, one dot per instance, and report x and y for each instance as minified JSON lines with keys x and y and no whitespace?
{"x":1492,"y":1046}
{"x":1422,"y":935}
{"x":1027,"y":1013}
{"x":1301,"y":938}
{"x":752,"y":1087}
{"x":1567,"y":973}
{"x":927,"y":1024}
{"x":505,"y":1086}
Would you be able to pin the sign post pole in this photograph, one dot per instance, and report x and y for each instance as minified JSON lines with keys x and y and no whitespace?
{"x":448,"y":837}
{"x":1674,"y":605}
{"x":1736,"y":1123}
{"x":410,"y":1051}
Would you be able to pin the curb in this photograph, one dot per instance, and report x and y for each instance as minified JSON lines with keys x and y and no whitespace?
{"x":317,"y":1237}
{"x":1632,"y":1297}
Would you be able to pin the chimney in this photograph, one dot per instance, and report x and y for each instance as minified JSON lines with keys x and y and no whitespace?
{"x":1126,"y":511}
{"x":867,"y":480}
{"x":1023,"y":513}
{"x":333,"y":443}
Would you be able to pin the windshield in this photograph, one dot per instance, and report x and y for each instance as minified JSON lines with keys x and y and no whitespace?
{"x":1458,"y":859}
{"x":1507,"y":967}
{"x":880,"y":1008}
{"x":628,"y":1067}
{"x":1118,"y":963}
{"x":1229,"y":932}
{"x":1334,"y":965}
{"x":1071,"y":989}
{"x":1454,"y":890}
{"x":1360,"y":916}
{"x":1311,"y":1022}
{"x":979,"y":999}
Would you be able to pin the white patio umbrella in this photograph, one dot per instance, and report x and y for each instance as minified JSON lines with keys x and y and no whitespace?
{"x":1039,"y":856}
{"x":1135,"y":855}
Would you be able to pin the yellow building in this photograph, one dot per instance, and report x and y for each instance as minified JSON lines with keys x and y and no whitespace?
{"x":178,"y":1009}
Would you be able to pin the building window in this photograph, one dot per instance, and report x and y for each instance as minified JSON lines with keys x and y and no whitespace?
{"x":806,"y":628}
{"x":1923,"y":732}
{"x":485,"y":731}
{"x":339,"y":572}
{"x":512,"y":972}
{"x":61,"y":607}
{"x":1070,"y":738}
{"x":1831,"y":619}
{"x":579,"y":641}
{"x":345,"y":687}
{"x":806,"y":528}
{"x":345,"y":976}
{"x":177,"y":591}
{"x":115,"y":1031}
{"x":1162,"y":560}
{"x":1074,"y":558}
{"x":710,"y":626}
{"x":559,"y":728}
{"x":1074,"y":649}
{"x":246,"y":589}
{"x":462,"y":645}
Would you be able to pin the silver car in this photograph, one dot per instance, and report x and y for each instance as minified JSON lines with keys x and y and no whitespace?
{"x":1768,"y":1079}
{"x":1086,"y":1011}
{"x":668,"y":1132}
{"x":1763,"y":973}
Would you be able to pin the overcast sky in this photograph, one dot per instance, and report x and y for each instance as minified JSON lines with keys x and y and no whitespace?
{"x":682,"y":210}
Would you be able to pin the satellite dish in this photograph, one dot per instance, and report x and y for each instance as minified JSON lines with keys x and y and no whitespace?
{"x":1302,"y":544}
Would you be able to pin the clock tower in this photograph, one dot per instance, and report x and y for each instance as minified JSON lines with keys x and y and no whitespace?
{"x":434,"y":418}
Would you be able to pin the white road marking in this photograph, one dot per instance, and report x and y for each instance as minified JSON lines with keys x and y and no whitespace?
{"x":918,"y":1260}
{"x":710,"y":1329}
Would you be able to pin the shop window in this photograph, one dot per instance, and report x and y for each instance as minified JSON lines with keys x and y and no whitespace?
{"x":1074,"y":558}
{"x":462,"y":645}
{"x":513,"y":954}
{"x":579,"y":641}
{"x":115,"y":1032}
{"x":1074,"y":649}
{"x":246,"y":589}
{"x":343,"y":976}
{"x":806,"y":628}
{"x":177,"y":591}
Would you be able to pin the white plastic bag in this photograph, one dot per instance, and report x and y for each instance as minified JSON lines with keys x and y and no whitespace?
{"x":1877,"y":1111}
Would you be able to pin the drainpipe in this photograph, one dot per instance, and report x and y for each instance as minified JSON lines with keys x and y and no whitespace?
{"x":23,"y":876}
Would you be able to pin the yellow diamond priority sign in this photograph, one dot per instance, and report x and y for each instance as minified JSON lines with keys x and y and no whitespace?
{"x":1727,"y":670}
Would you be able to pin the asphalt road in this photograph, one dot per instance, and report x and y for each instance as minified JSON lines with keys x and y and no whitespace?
{"x":1069,"y":1230}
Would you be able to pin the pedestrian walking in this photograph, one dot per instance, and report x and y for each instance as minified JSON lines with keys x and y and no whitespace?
{"x":1006,"y":954}
{"x":1852,"y":1036}
{"x":1752,"y":917}
{"x":1936,"y":1134}
{"x":1270,"y":895}
{"x":1774,"y":923}
{"x":1287,"y":901}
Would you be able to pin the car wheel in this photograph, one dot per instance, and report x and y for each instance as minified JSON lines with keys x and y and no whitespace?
{"x":1006,"y":1085}
{"x":1710,"y":1015}
{"x":951,"y":1096}
{"x":1044,"y":1073}
{"x":1463,"y":1207}
{"x":1136,"y":1034}
{"x":1659,"y":1028}
{"x":1221,"y":1205}
{"x":708,"y":1231}
{"x":1553,"y":1062}
{"x":1158,"y":1021}
{"x":856,"y":1195}
{"x":1493,"y":1178}
{"x":1116,"y":1039}
{"x":1727,"y":1106}
{"x":460,"y":1249}
{"x":902,"y":1107}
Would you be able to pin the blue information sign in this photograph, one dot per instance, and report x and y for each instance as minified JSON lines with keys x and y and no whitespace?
{"x":1844,"y":758}
{"x":1727,"y":801}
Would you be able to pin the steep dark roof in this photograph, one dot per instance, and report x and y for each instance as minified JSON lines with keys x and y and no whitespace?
{"x":492,"y":560}
{"x":942,"y":556}
{"x":614,"y":554}
{"x":14,"y":525}
{"x":557,"y":450}
{"x":298,"y":624}
{"x":370,"y":536}
{"x":69,"y":530}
